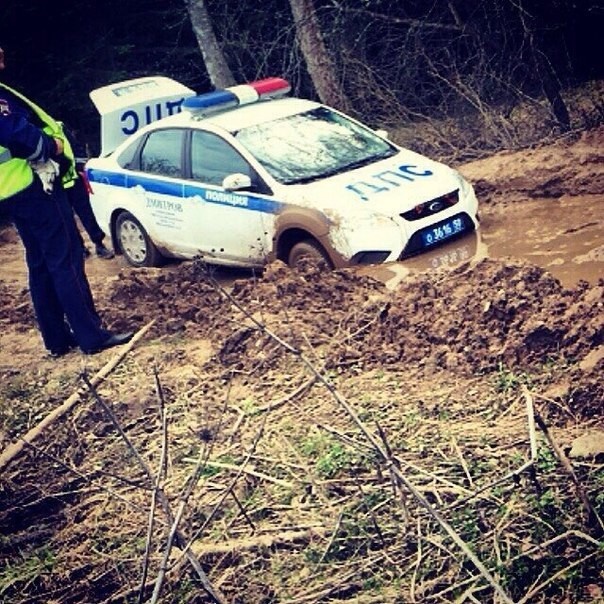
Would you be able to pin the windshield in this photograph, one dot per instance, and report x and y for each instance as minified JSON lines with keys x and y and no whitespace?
{"x":312,"y":145}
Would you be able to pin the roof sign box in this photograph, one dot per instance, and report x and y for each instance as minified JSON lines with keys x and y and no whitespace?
{"x":129,"y":105}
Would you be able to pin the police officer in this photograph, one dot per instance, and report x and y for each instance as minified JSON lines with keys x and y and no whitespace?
{"x":79,"y":198}
{"x":32,"y":146}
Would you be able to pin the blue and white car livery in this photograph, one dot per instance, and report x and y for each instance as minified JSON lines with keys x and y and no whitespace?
{"x":247,"y":175}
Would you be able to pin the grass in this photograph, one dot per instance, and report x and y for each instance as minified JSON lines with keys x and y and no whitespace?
{"x":21,"y":573}
{"x":23,"y":402}
{"x":345,"y":492}
{"x":507,"y":380}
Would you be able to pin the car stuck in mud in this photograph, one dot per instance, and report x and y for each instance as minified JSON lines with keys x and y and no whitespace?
{"x":246,"y":175}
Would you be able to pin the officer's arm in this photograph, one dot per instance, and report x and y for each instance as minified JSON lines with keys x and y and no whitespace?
{"x":26,"y":141}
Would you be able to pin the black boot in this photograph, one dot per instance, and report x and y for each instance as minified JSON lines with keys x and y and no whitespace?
{"x":104,"y":252}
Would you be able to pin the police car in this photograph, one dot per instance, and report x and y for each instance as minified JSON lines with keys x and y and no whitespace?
{"x":248,"y":174}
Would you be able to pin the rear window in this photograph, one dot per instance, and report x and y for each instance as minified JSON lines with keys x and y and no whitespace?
{"x":162,"y":153}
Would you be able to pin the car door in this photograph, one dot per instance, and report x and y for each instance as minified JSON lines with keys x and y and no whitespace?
{"x":175,"y":217}
{"x":230,"y":226}
{"x":156,"y":183}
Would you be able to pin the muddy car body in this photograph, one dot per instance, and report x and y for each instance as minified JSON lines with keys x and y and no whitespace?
{"x":246,"y":175}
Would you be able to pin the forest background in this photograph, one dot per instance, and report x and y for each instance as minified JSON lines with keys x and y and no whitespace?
{"x":452,"y":78}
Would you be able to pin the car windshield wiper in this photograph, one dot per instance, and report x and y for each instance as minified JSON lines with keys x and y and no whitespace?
{"x":359,"y":163}
{"x":365,"y":161}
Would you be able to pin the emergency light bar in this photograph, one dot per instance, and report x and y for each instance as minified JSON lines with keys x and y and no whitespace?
{"x":234,"y":96}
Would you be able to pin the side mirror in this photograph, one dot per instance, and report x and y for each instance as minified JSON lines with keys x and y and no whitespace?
{"x":383,"y":133}
{"x":236,"y":182}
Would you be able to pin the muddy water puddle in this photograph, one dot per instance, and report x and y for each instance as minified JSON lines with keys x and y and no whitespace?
{"x":564,"y":236}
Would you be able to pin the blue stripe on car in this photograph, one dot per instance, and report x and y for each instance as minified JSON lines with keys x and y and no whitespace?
{"x":186,"y":190}
{"x":106,"y":178}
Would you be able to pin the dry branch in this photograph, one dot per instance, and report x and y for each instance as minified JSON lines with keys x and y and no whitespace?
{"x":564,"y":571}
{"x":156,"y":488}
{"x":590,"y":512}
{"x":302,"y":389}
{"x":175,"y":533}
{"x":15,"y":448}
{"x":530,"y":412}
{"x":260,"y":541}
{"x":239,"y":470}
{"x":380,"y":447}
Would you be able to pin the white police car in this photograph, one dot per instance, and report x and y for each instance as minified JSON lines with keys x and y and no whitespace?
{"x":245,"y":175}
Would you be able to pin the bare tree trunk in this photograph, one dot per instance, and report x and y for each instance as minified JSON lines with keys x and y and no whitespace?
{"x":321,"y":68}
{"x":543,"y":69}
{"x":213,"y":57}
{"x":551,"y":88}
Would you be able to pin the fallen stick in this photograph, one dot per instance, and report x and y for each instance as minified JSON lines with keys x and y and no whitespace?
{"x":381,"y":448}
{"x":591,"y":515}
{"x":260,"y":541}
{"x":15,"y":448}
{"x":236,"y":468}
{"x":288,"y":397}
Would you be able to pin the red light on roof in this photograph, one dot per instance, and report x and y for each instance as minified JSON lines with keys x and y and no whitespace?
{"x":270,"y":85}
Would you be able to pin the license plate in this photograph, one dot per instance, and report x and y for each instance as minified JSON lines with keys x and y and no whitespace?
{"x":443,"y":231}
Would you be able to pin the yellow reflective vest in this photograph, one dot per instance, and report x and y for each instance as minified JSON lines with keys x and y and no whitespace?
{"x":16,"y":173}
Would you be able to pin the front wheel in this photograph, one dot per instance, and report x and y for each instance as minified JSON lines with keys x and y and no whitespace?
{"x":308,"y":252}
{"x":135,"y":243}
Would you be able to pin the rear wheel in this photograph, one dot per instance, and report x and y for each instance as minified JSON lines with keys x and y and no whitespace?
{"x":135,"y":243}
{"x":308,"y":252}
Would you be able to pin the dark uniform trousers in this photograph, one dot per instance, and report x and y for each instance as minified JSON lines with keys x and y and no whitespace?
{"x":80,"y":201}
{"x":58,"y":284}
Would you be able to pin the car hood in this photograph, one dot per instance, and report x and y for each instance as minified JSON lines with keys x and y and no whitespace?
{"x":388,"y":186}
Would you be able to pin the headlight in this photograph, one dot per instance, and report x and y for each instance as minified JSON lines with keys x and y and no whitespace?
{"x":465,"y":188}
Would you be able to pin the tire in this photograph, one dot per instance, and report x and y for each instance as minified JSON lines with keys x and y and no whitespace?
{"x":135,"y":243}
{"x":308,"y":252}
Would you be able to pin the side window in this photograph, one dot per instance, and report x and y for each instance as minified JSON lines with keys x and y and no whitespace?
{"x":162,"y":153}
{"x":212,"y":159}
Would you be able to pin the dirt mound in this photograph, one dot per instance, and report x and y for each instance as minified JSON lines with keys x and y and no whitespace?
{"x":471,"y":319}
{"x":475,"y":319}
{"x":175,"y":299}
{"x":573,"y":165}
{"x":478,"y":317}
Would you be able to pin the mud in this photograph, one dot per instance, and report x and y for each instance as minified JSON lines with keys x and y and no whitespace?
{"x":469,"y":320}
{"x":468,"y":307}
{"x":458,"y":320}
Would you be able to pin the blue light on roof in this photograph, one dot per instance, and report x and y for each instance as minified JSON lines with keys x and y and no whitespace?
{"x":234,"y":96}
{"x":212,"y":101}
